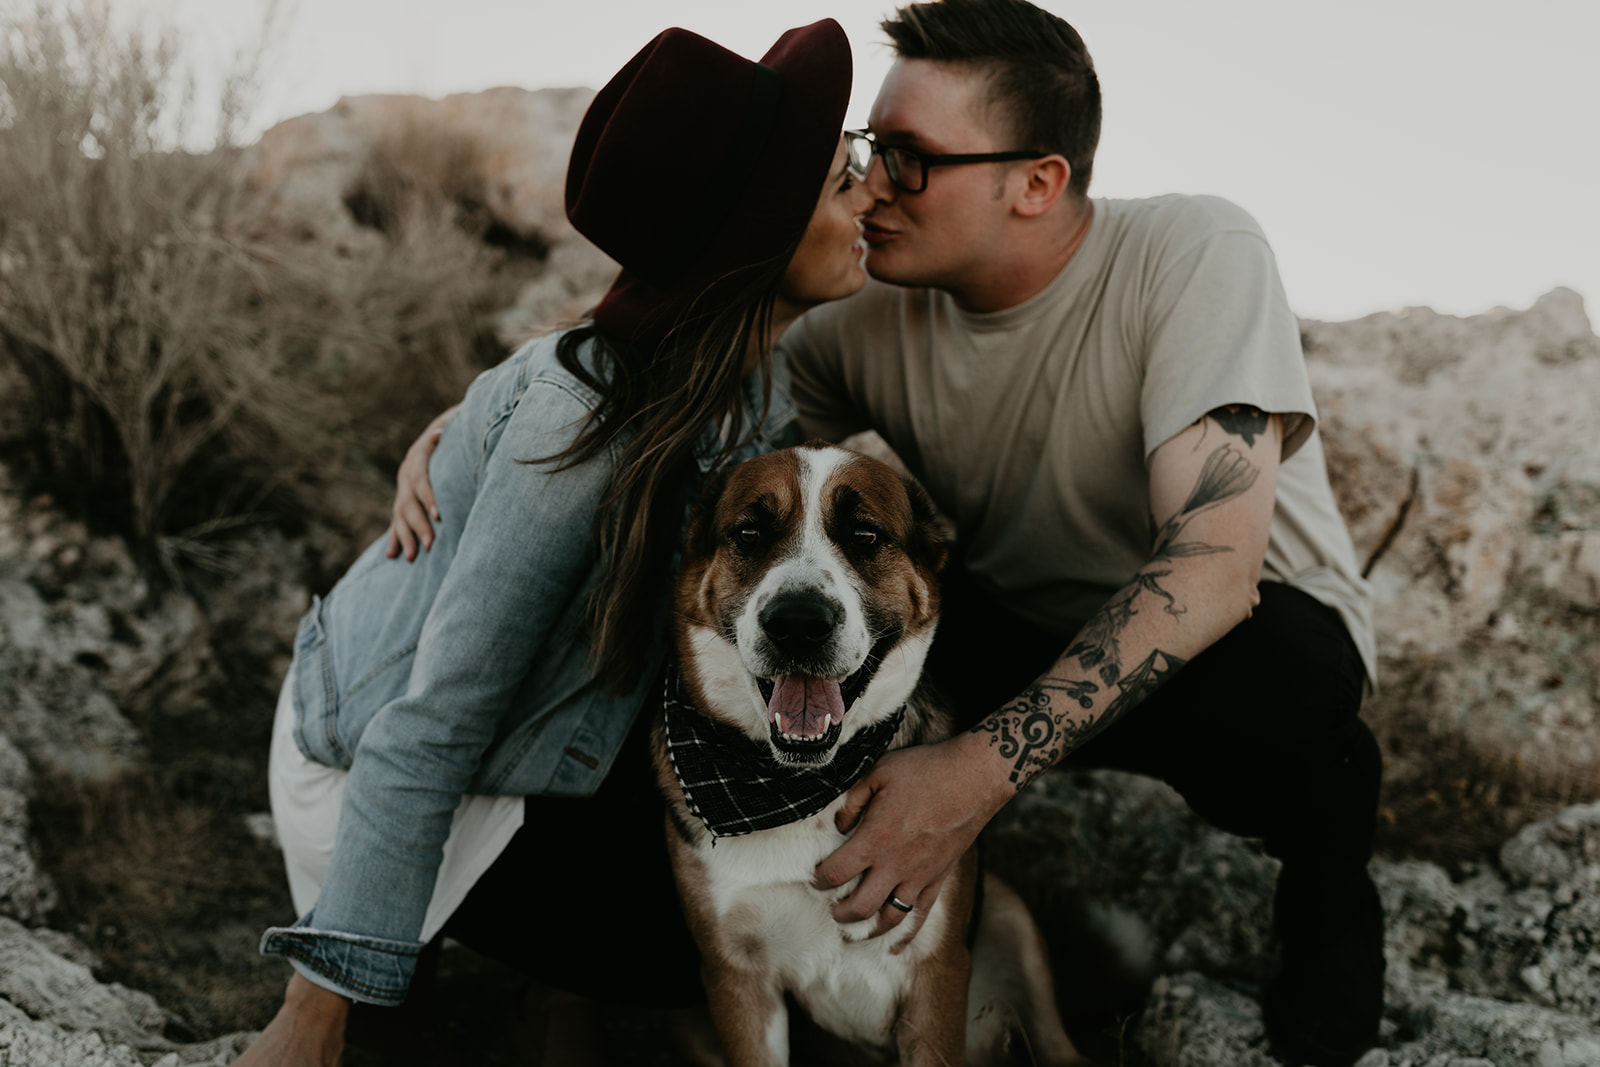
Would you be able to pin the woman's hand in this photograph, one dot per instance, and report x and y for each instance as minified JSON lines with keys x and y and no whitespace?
{"x":914,"y":815}
{"x":413,"y":496}
{"x":308,"y":1030}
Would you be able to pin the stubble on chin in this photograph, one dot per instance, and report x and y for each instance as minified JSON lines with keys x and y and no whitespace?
{"x":889,"y":274}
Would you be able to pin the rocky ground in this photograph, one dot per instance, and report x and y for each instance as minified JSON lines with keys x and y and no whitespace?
{"x":136,"y":863}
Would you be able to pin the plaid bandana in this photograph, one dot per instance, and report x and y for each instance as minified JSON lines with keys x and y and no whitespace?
{"x":735,"y":786}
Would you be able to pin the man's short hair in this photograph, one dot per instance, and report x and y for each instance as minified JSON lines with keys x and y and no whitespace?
{"x":1039,"y":72}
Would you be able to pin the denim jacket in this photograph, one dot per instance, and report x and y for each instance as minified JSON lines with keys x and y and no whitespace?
{"x":466,"y":671}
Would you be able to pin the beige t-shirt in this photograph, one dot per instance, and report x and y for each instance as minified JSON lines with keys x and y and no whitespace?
{"x":1033,"y":427}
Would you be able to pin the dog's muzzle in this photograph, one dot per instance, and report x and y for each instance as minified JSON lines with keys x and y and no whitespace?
{"x":800,"y":626}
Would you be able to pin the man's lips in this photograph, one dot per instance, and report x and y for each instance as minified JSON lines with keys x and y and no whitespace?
{"x":874,"y":234}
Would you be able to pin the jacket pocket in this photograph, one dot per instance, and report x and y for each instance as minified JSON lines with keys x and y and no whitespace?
{"x":337,"y":688}
{"x":316,"y":693}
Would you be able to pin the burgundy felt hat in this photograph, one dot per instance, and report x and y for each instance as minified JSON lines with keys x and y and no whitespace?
{"x":694,"y":161}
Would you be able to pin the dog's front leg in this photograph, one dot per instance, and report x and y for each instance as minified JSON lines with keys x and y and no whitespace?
{"x":751,"y":1017}
{"x":932,"y":1028}
{"x":747,"y":1006}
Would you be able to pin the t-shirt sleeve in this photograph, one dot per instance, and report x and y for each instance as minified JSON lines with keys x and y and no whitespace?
{"x":1220,"y":332}
{"x":813,"y":350}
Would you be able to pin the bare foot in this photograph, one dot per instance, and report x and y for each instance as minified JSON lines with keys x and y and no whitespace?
{"x":308,"y":1030}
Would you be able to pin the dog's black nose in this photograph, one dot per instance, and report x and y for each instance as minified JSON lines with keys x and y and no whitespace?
{"x":799,"y":623}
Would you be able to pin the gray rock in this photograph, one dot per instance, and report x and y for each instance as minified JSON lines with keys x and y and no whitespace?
{"x":66,"y":946}
{"x":1524,"y":932}
{"x":26,"y":1042}
{"x":53,"y":1013}
{"x":52,"y":988}
{"x":84,"y":642}
{"x":1507,"y":1035}
{"x":1492,"y":966}
{"x":26,"y":892}
{"x":1107,"y":842}
{"x":1195,"y":1021}
{"x":15,"y":773}
{"x":1560,"y":852}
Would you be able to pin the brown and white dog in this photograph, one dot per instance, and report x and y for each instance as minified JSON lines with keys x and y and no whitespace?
{"x":807,"y":602}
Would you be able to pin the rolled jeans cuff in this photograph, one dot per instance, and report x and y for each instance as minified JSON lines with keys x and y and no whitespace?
{"x":372,"y":970}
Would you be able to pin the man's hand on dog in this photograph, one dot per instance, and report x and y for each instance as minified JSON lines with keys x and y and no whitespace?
{"x":914,"y":815}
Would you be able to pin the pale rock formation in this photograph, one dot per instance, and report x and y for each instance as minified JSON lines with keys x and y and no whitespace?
{"x":1464,"y":454}
{"x":502,"y":153}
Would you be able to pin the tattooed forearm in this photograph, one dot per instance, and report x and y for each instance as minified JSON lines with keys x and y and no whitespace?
{"x":1143,"y":680}
{"x":1033,"y":734}
{"x":1058,"y":714}
{"x":1241,"y":420}
{"x":1025,"y":733}
{"x":1097,"y":647}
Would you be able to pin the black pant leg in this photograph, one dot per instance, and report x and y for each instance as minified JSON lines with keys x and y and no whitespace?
{"x":582,"y":877}
{"x":1260,"y":733}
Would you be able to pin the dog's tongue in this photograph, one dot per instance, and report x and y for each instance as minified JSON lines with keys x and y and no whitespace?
{"x":804,"y":704}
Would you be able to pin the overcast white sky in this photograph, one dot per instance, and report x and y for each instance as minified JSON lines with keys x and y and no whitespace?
{"x":1397,"y":152}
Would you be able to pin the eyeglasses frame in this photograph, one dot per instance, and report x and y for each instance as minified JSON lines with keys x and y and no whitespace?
{"x":924,"y":159}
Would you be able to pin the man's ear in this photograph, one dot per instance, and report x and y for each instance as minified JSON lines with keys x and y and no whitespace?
{"x":1047,"y":181}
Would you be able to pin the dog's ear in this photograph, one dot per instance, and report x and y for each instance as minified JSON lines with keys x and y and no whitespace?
{"x":701,"y":539}
{"x":927,"y":542}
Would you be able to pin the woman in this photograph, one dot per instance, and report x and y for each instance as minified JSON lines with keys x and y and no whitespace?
{"x":510,"y":662}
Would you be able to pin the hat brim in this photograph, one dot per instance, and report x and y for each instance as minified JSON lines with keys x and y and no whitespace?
{"x":776,"y":199}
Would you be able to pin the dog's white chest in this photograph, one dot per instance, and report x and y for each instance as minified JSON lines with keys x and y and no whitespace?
{"x":761,"y":890}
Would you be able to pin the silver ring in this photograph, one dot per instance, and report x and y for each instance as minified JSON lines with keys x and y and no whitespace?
{"x":902,"y":905}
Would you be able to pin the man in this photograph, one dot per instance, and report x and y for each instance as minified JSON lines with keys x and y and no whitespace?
{"x":1109,"y":400}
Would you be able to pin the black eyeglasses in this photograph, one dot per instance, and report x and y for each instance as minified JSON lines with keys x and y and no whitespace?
{"x":908,"y":169}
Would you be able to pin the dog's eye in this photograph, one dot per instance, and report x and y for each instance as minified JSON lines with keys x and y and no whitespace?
{"x":864,"y":537}
{"x":748,"y":535}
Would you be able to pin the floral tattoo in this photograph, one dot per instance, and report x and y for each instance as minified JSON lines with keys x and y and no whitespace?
{"x":1047,"y":720}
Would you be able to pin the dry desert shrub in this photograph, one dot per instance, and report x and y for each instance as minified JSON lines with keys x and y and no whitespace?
{"x":416,"y":319}
{"x":185,"y":365}
{"x":159,"y":391}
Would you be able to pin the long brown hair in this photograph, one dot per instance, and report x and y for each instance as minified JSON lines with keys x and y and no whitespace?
{"x":655,"y":403}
